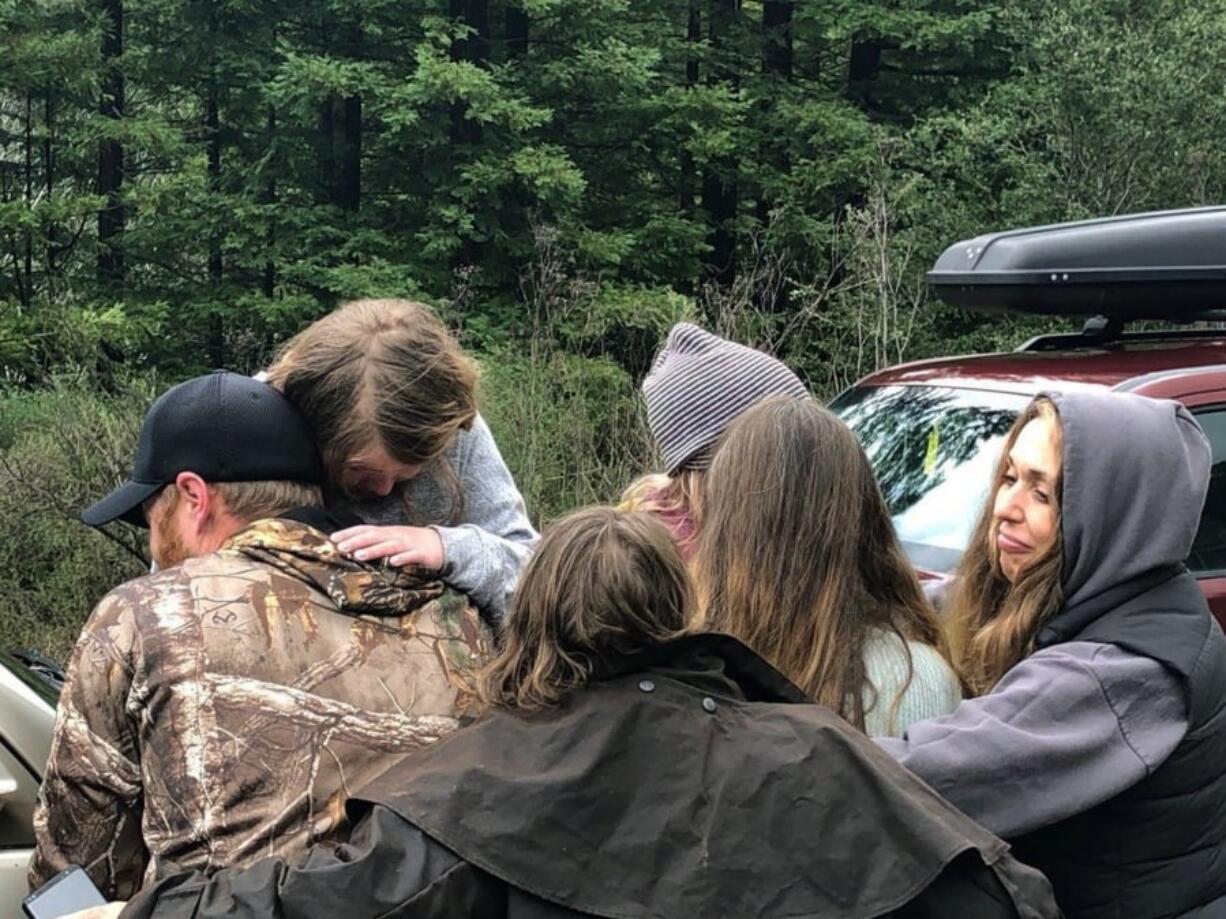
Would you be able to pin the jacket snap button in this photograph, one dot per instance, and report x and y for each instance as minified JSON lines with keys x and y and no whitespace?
{"x":708,"y":704}
{"x":646,"y":685}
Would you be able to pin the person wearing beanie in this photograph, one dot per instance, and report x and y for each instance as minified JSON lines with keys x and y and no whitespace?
{"x":697,"y":386}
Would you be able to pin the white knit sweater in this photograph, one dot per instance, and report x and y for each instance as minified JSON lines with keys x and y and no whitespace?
{"x":932,"y":692}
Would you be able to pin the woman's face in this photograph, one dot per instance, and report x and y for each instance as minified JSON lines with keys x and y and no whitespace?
{"x":373,"y":473}
{"x":1024,"y":512}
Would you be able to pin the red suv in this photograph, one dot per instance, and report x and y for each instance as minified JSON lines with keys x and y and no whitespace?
{"x":933,"y":429}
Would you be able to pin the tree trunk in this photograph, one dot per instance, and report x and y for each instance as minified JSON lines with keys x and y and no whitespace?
{"x":216,"y":343}
{"x":268,"y":198}
{"x":27,"y":287}
{"x":53,"y":230}
{"x":865,"y":60}
{"x":693,"y":36}
{"x":349,"y":190}
{"x":777,"y":37}
{"x":327,"y":151}
{"x":719,"y":200}
{"x":863,"y":66}
{"x":719,"y":185}
{"x":516,"y":26}
{"x":113,"y":218}
{"x":212,"y":126}
{"x":776,"y":63}
{"x":479,"y":42}
{"x":49,"y":142}
{"x":460,"y":129}
{"x":212,"y":130}
{"x":349,"y":185}
{"x":475,"y":48}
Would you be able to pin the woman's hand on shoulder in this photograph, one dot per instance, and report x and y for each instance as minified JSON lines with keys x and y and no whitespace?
{"x":400,"y":545}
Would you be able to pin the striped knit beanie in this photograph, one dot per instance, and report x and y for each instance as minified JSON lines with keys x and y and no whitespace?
{"x":698,"y":384}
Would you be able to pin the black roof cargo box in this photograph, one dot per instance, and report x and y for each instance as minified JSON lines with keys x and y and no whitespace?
{"x":1164,"y":265}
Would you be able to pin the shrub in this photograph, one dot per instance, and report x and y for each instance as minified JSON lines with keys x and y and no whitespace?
{"x":569,"y":427}
{"x":61,"y":449}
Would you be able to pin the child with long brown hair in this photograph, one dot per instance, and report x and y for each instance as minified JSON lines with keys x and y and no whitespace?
{"x":798,"y":558}
{"x":697,"y":385}
{"x":392,"y":400}
{"x":608,"y":584}
{"x":1097,"y":739}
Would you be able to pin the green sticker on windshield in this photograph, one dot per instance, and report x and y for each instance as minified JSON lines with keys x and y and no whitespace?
{"x":930,"y":455}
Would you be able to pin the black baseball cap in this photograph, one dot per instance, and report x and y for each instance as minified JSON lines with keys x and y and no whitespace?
{"x":225,"y":427}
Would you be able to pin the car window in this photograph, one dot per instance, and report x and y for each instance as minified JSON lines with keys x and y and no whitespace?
{"x":17,"y":808}
{"x":933,"y":449}
{"x":42,"y":676}
{"x":1209,"y":549}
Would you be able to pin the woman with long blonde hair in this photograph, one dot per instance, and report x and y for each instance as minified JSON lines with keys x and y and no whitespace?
{"x":798,"y":558}
{"x":392,"y":400}
{"x":1097,"y":739}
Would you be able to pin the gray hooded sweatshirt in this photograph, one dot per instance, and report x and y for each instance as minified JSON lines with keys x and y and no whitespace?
{"x":487,"y":537}
{"x":1075,"y":724}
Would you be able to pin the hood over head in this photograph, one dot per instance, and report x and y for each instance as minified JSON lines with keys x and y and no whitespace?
{"x":1135,"y":476}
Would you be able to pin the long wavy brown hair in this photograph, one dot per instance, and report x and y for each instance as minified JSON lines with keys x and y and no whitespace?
{"x":993,"y":622}
{"x":798,"y":557}
{"x":379,"y":372}
{"x":601,"y":582}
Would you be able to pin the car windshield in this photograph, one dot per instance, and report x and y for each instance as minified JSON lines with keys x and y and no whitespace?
{"x":933,"y":449}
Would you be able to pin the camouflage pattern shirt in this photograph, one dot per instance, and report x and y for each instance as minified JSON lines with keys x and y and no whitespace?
{"x":222,"y":710}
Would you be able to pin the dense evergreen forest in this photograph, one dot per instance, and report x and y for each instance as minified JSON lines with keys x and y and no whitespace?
{"x":183,"y":183}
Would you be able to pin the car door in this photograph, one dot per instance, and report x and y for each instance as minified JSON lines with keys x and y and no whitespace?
{"x":27,"y":717}
{"x":18,"y":788}
{"x":1208,"y":558}
{"x":1204,"y":393}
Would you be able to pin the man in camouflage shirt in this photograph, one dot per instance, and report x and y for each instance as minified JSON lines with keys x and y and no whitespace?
{"x":221,"y":709}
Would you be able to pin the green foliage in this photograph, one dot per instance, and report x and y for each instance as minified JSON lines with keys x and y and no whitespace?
{"x":565,"y":179}
{"x":568,"y":426}
{"x":61,"y":449}
{"x":300,"y":154}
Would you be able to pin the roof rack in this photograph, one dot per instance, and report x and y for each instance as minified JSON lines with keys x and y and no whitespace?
{"x":1166,"y":265}
{"x":1100,"y":331}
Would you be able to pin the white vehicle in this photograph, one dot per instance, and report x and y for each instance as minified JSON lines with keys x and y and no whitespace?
{"x":29,"y":690}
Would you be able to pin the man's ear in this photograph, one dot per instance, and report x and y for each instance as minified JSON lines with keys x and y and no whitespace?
{"x":196,"y":500}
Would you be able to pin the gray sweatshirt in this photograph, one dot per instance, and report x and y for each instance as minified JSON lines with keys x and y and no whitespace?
{"x":1077,"y":723}
{"x":488,"y":545}
{"x":1068,"y":728}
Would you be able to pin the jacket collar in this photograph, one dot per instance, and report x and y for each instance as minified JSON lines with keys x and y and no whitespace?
{"x":325,"y":520}
{"x":711,"y":659}
{"x":304,"y":552}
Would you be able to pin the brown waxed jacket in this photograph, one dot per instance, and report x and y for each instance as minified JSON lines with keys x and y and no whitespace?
{"x":222,"y":710}
{"x":688,"y":781}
